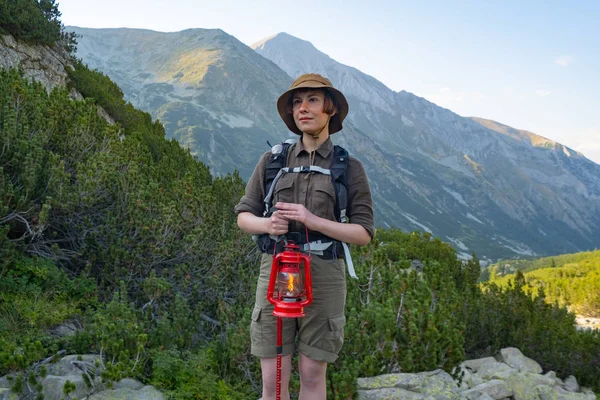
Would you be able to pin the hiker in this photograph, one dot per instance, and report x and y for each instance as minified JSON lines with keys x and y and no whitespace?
{"x":304,"y":203}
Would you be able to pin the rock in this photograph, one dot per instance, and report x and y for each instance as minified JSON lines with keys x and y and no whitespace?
{"x":128,"y":383}
{"x":551,"y":374}
{"x":66,"y":365}
{"x":475,"y":364}
{"x":496,"y":389}
{"x":7,"y":394}
{"x":53,"y":387}
{"x":145,"y":393}
{"x":571,"y":384}
{"x":557,"y":393}
{"x":479,"y":396}
{"x":494,"y":370}
{"x":524,"y":385}
{"x":65,"y":330}
{"x":514,"y":358}
{"x":390,"y":393}
{"x":406,"y":381}
{"x":437,"y":385}
{"x":5,"y":382}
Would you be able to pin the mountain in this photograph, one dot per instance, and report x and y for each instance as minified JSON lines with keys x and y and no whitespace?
{"x":481,"y":185}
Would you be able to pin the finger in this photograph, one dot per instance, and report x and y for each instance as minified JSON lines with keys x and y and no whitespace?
{"x":286,"y":206}
{"x":279,"y":216}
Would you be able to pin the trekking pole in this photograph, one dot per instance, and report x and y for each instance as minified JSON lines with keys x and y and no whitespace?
{"x":279,"y":351}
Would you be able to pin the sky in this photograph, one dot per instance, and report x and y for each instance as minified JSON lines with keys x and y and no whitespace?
{"x":532,"y":65}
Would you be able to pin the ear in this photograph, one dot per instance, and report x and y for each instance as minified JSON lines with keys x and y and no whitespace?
{"x":333,"y":112}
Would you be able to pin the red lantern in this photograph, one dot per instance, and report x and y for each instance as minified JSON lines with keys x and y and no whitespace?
{"x":290,"y":290}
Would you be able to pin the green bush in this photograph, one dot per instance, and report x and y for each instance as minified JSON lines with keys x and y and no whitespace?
{"x":502,"y":317}
{"x":34,"y":21}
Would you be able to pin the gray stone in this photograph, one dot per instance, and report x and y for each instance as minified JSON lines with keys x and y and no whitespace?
{"x":53,"y":387}
{"x":557,"y":393}
{"x":7,"y":394}
{"x":478,"y":396}
{"x":390,"y":394}
{"x":475,"y":364}
{"x":495,"y":370}
{"x":145,"y":393}
{"x":496,"y":389}
{"x":440,"y":385}
{"x":524,"y":385}
{"x":66,"y":365}
{"x":128,"y":383}
{"x":405,"y":381}
{"x":65,"y":330}
{"x":551,"y":374}
{"x":437,"y":385}
{"x":5,"y":382}
{"x":515,"y":359}
{"x":571,"y":384}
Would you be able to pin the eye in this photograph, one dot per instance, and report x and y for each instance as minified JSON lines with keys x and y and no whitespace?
{"x":313,"y":99}
{"x":296,"y":101}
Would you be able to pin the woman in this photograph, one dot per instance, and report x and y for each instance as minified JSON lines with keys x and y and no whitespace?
{"x":305,"y":203}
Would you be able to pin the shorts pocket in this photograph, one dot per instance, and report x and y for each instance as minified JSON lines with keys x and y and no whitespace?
{"x":337,"y":323}
{"x":256,"y":313}
{"x":255,"y":326}
{"x":333,"y":339}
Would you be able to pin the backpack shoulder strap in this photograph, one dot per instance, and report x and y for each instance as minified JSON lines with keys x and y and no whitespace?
{"x":339,"y":166}
{"x":273,"y":170}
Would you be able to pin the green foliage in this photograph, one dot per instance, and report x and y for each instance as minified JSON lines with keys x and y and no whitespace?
{"x":34,"y":21}
{"x":189,"y":376}
{"x":502,"y":317}
{"x":571,"y":280}
{"x":401,"y":318}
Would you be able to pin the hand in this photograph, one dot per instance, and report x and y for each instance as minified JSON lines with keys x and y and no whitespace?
{"x":277,"y":224}
{"x":297,"y":212}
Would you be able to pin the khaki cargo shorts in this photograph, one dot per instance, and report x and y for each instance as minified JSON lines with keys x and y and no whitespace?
{"x":320,"y":334}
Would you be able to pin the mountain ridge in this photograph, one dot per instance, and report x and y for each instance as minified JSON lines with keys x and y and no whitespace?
{"x":430,"y":169}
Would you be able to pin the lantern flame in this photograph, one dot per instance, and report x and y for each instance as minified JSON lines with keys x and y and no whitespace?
{"x":291,"y":282}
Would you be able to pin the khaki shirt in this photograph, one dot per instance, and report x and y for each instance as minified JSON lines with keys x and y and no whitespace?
{"x":315,"y":191}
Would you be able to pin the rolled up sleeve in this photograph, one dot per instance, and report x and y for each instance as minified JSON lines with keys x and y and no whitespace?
{"x":252,"y":200}
{"x":360,"y":203}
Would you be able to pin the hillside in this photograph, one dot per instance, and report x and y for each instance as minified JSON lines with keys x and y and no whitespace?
{"x":571,"y":280}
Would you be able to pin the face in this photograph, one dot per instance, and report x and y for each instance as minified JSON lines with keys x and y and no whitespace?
{"x":307,"y":108}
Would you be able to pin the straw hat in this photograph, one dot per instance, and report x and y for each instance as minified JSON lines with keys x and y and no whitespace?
{"x":313,"y":81}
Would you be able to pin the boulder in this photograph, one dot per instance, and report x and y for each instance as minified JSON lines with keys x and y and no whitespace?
{"x":571,"y":384}
{"x":494,"y":370}
{"x":475,"y":364}
{"x":145,"y":393}
{"x":514,"y":358}
{"x":496,"y":389}
{"x":434,"y":385}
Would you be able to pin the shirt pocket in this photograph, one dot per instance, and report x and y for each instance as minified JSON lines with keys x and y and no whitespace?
{"x":323,"y":199}
{"x":284,"y":190}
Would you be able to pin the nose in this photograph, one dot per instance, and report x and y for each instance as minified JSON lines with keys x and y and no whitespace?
{"x":303,"y":104}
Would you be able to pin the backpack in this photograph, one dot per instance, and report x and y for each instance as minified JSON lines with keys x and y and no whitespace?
{"x":276,"y":167}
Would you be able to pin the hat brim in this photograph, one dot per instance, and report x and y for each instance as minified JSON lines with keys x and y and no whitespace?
{"x":335,"y":123}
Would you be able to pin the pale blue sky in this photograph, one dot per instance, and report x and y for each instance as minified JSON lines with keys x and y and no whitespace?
{"x":529,"y":64}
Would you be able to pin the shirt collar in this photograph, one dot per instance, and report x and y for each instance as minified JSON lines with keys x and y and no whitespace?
{"x":324,"y":150}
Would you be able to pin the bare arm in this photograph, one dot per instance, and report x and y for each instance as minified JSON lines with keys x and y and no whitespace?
{"x":250,"y":223}
{"x":349,"y":233}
